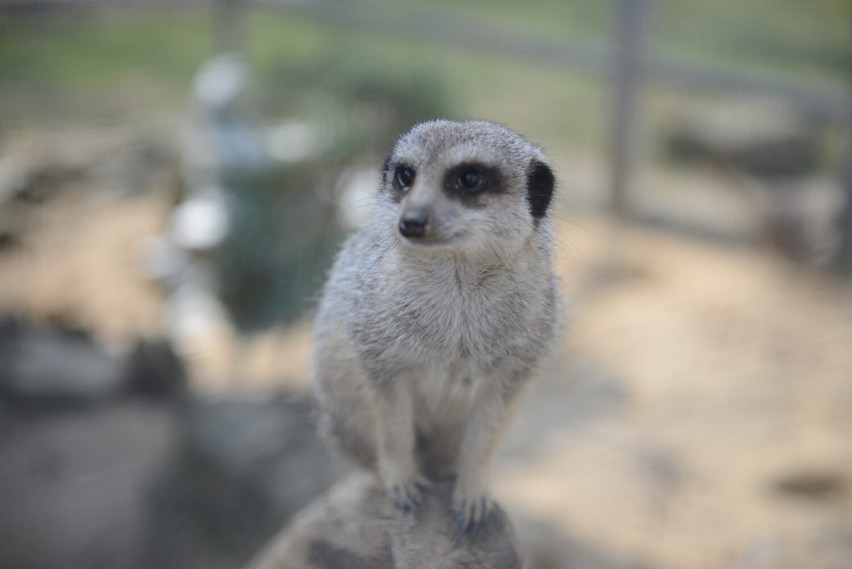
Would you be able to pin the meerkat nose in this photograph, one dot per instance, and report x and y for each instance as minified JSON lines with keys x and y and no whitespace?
{"x":414,"y":222}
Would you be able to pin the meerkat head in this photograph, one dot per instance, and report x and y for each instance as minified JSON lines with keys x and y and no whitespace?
{"x":465,"y":186}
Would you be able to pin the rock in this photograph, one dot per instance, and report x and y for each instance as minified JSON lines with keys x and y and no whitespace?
{"x":154,"y":370}
{"x":55,"y":365}
{"x":800,"y":218}
{"x":756,"y":139}
{"x":812,"y":483}
{"x":355,"y":526}
{"x":60,"y":363}
{"x":74,"y":483}
{"x":271,"y":442}
{"x":244,"y":467}
{"x":124,"y":159}
{"x":38,"y":166}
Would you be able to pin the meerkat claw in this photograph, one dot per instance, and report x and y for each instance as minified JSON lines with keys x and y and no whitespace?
{"x":408,"y":497}
{"x":471,"y":516}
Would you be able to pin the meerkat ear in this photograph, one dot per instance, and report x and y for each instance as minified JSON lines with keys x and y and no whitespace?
{"x":540,"y":186}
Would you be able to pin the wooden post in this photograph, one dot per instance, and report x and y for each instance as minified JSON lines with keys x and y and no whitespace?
{"x":844,"y":261}
{"x":229,"y":22}
{"x":629,"y":69}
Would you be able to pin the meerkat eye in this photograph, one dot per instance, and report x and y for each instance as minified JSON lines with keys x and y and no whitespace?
{"x":404,"y":177}
{"x":471,"y":181}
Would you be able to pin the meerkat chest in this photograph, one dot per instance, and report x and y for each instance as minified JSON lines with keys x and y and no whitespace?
{"x":456,"y":319}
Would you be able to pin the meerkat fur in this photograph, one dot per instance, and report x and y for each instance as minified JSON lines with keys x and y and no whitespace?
{"x":437,"y":313}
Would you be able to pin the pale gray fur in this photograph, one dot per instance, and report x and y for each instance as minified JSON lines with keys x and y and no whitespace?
{"x":422,"y":349}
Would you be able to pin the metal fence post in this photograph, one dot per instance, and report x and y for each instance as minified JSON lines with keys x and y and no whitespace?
{"x":229,"y":25}
{"x":629,"y":69}
{"x":845,"y":258}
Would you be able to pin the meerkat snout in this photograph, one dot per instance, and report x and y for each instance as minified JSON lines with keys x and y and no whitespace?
{"x":414,"y":222}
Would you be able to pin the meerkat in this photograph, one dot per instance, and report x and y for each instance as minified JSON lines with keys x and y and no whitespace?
{"x":436,"y":314}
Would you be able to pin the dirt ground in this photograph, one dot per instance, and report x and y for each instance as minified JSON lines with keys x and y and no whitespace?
{"x":696,"y":414}
{"x":722,"y":380}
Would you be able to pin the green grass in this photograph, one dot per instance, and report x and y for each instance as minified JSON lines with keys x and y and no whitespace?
{"x":81,"y":68}
{"x":797,"y":39}
{"x":97,"y":53}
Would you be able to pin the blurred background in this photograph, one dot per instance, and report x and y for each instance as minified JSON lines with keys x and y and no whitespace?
{"x":175,"y":177}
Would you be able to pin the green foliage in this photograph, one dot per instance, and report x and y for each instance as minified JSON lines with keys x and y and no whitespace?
{"x":96,"y":53}
{"x":123,"y":61}
{"x":807,"y":40}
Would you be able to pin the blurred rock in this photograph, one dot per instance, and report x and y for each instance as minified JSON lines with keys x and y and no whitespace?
{"x":74,"y":483}
{"x":186,"y":482}
{"x":124,"y":159}
{"x":355,"y":526}
{"x":58,"y":363}
{"x":773,"y":156}
{"x":800,"y":218}
{"x":35,"y":166}
{"x":127,"y":483}
{"x":755,"y":138}
{"x":812,"y":482}
{"x":55,"y":365}
{"x":154,"y":370}
{"x":244,"y":467}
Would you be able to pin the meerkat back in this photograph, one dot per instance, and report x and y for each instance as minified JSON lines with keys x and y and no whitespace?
{"x":437,"y":313}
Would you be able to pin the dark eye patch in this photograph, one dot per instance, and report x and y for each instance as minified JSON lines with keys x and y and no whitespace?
{"x":403,"y":177}
{"x":469,"y":180}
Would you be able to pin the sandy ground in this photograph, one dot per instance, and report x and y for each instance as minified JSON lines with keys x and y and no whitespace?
{"x":718,"y":384}
{"x":696,"y":414}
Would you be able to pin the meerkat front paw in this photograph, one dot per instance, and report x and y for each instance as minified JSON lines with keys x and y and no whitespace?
{"x":471,"y":513}
{"x":404,"y":484}
{"x":408,"y":495}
